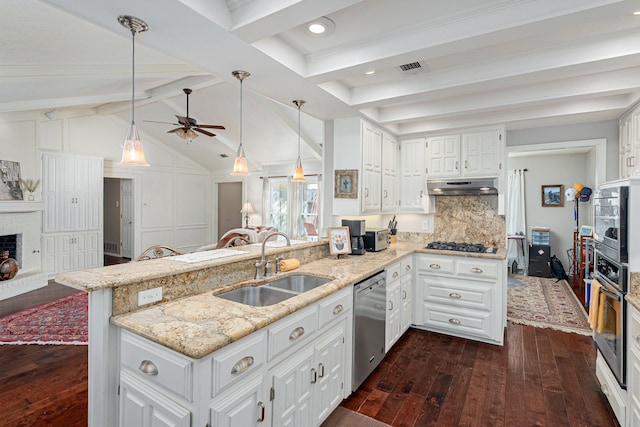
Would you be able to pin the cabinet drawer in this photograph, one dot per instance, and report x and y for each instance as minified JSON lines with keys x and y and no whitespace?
{"x":335,"y":305}
{"x":477,"y":268}
{"x":474,"y":295}
{"x":393,"y":272}
{"x":436,"y":264}
{"x":292,"y":330}
{"x":238,"y":360}
{"x":458,"y":321}
{"x":406,"y":265}
{"x":634,"y":327}
{"x":157,"y":364}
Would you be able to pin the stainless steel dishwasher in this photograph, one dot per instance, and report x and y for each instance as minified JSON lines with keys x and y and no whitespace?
{"x":368,"y":326}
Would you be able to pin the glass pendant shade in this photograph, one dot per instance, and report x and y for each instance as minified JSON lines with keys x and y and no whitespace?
{"x":133,"y":152}
{"x":298,"y":174}
{"x":240,"y":166}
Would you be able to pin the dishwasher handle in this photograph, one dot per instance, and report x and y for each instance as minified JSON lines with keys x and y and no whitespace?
{"x":363,"y":288}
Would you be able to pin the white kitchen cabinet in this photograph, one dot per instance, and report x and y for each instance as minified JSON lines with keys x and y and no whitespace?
{"x":461,"y":296}
{"x":475,"y":153}
{"x":362,"y":146}
{"x":406,"y":299}
{"x":633,"y":364}
{"x":399,"y":285}
{"x":72,"y":218}
{"x":413,"y":186}
{"x":616,"y":396}
{"x":142,"y":406}
{"x":392,"y":317}
{"x":242,"y":407}
{"x":262,"y":379}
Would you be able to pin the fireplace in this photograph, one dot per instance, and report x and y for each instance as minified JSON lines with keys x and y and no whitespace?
{"x":20,"y":234}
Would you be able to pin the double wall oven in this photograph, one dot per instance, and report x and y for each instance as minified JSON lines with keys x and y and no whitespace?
{"x":611,"y":272}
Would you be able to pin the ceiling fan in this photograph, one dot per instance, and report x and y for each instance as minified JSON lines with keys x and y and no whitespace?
{"x":188,"y":124}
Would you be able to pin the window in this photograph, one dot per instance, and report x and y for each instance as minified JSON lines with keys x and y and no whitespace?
{"x":289,"y":205}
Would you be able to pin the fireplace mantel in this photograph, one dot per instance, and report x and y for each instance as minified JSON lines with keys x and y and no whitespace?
{"x":9,"y":206}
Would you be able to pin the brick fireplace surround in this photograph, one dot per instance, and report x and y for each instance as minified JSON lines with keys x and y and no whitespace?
{"x":25,"y":220}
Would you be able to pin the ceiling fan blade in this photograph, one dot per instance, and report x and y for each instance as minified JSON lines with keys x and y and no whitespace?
{"x":166,"y":123}
{"x":211,"y":126}
{"x":204,"y":132}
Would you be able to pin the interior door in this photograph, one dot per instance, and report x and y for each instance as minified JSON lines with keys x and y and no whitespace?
{"x":126,"y":222}
{"x":229,"y":206}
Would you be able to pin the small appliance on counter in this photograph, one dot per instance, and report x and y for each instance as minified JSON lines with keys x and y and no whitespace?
{"x":377,"y":240}
{"x":356,"y":231}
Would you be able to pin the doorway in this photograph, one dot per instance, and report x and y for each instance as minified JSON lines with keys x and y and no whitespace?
{"x":229,"y":206}
{"x":118,"y":217}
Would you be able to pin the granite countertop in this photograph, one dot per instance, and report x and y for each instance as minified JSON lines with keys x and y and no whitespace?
{"x":200,"y":324}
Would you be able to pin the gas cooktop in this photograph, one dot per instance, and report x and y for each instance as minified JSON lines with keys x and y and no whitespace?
{"x":462,"y":247}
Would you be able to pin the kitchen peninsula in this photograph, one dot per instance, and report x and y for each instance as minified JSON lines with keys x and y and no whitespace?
{"x":192,"y":322}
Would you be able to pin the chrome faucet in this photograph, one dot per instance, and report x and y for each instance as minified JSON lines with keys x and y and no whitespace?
{"x":261,"y":267}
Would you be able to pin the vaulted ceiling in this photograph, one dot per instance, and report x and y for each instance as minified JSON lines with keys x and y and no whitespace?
{"x":439,"y":65}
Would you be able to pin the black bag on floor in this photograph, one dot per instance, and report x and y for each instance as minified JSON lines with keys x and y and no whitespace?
{"x":558,"y":269}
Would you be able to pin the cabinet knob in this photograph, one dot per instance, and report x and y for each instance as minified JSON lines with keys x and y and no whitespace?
{"x":435,"y":266}
{"x":338,"y":309}
{"x":454,"y":321}
{"x":242,"y":365}
{"x":395,"y":274}
{"x":148,"y":367}
{"x":408,"y":267}
{"x":455,"y":295}
{"x":296,"y":333}
{"x":475,"y":270}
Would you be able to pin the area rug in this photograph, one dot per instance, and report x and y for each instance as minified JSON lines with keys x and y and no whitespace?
{"x":545,"y":303}
{"x":63,"y":321}
{"x":343,"y":417}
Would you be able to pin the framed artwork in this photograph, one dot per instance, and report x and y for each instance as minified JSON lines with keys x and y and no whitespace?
{"x":553,"y":195}
{"x":339,"y":241}
{"x":586,"y":231}
{"x":346,"y":184}
{"x":10,"y":181}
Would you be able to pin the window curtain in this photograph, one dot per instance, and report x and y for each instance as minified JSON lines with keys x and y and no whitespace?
{"x":516,"y":221}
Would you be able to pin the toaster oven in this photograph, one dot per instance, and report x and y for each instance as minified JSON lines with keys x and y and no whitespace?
{"x":377,"y":240}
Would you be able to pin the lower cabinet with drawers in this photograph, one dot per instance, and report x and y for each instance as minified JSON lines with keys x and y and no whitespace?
{"x":291,"y":373}
{"x":461,"y":296}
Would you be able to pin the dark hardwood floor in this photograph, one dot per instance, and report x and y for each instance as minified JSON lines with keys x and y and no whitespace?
{"x":540,"y":377}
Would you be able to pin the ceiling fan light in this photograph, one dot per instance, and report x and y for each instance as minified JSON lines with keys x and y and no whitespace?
{"x":298,"y":174}
{"x":133,"y":152}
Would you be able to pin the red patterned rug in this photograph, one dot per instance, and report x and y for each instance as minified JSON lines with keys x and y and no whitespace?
{"x":545,"y":303}
{"x":63,"y":321}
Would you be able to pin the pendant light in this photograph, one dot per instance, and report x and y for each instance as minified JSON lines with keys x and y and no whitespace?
{"x":298,"y":174}
{"x":240,"y":167}
{"x":133,"y":152}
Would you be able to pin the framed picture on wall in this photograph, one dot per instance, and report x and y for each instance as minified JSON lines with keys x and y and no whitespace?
{"x":553,"y":195}
{"x":346,"y":184}
{"x":10,"y":181}
{"x":339,"y":241}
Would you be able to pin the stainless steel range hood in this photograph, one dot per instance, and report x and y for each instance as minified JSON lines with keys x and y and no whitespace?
{"x":462,"y":187}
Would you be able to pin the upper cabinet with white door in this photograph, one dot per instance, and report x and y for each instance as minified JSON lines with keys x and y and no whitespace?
{"x":413,"y":185}
{"x":475,"y":153}
{"x":630,"y":144}
{"x":362,"y":146}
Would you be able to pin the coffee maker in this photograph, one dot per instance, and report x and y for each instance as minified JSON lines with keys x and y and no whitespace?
{"x":357,"y":232}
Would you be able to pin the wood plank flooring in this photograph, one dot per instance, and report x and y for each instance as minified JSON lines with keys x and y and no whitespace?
{"x":540,"y":377}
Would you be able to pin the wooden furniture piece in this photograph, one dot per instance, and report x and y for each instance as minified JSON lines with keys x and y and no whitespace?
{"x":582,"y":259}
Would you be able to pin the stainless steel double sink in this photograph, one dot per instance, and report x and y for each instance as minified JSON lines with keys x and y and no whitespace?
{"x":274,"y":291}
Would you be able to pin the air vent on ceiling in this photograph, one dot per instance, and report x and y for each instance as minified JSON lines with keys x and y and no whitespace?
{"x":413,"y":68}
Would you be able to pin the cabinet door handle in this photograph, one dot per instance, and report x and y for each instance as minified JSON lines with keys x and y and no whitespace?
{"x":475,"y":270}
{"x":456,"y":165}
{"x":314,"y":376}
{"x":390,"y":305}
{"x":385,"y":194}
{"x":395,"y":274}
{"x":435,"y":266}
{"x":408,"y":267}
{"x":261,"y":406}
{"x":404,"y":294}
{"x":454,"y":321}
{"x":148,"y":367}
{"x":242,"y":365}
{"x":338,"y":309}
{"x":321,"y":369}
{"x":466,"y":164}
{"x":366,"y":192}
{"x":455,"y":295}
{"x":296,"y":333}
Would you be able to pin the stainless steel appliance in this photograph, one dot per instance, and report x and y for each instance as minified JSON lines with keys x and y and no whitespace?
{"x":462,"y":187}
{"x":610,"y":204}
{"x":356,"y":231}
{"x":369,"y":302}
{"x":377,"y":240}
{"x":610,"y":337}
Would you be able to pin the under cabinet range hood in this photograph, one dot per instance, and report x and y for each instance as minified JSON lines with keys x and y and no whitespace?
{"x":462,"y":187}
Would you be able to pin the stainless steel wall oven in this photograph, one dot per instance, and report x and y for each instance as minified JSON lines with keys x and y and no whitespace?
{"x":610,"y":221}
{"x":609,"y":335}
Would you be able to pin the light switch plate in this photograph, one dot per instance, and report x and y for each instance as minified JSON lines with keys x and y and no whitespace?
{"x":149,"y":296}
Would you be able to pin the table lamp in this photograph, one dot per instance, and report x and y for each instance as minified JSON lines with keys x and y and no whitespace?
{"x":247,"y":209}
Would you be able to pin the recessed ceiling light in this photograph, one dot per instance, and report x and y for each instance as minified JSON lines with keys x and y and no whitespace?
{"x":321,"y":27}
{"x":370,"y":72}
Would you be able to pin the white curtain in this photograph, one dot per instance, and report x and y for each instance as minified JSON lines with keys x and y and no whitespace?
{"x":516,"y":221}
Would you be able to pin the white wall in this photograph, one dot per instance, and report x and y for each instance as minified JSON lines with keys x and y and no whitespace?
{"x":551,"y":169}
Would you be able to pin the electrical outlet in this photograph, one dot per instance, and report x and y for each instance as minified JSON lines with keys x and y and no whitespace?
{"x":149,"y":296}
{"x":427,"y":225}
